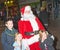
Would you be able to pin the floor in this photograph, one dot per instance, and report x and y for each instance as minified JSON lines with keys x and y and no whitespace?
{"x":54,"y":28}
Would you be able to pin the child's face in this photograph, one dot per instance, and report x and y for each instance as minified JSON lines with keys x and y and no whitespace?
{"x":19,"y":37}
{"x":9,"y":24}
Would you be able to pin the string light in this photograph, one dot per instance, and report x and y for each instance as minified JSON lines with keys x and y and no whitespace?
{"x":8,"y":2}
{"x":11,"y":1}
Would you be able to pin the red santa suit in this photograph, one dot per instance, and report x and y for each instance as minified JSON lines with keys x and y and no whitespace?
{"x":29,"y":23}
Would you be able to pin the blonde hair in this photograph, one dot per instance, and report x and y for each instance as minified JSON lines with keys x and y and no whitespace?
{"x":16,"y":34}
{"x":40,"y":33}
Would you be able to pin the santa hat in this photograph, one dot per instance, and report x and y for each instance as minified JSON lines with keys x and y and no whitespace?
{"x":26,"y":8}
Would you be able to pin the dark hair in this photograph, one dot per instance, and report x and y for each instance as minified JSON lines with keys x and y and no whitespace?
{"x":8,"y":19}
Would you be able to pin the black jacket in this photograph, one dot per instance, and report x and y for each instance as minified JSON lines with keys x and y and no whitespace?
{"x":48,"y":43}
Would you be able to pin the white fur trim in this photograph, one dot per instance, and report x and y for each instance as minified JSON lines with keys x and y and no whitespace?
{"x":22,"y":19}
{"x":24,"y":41}
{"x":52,"y":37}
{"x":27,"y":8}
{"x":33,"y":39}
{"x":34,"y":24}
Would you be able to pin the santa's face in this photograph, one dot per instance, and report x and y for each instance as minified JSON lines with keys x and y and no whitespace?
{"x":28,"y":14}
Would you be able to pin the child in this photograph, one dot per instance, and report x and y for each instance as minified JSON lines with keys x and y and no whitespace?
{"x":23,"y":44}
{"x":19,"y":44}
{"x":46,"y":40}
{"x":7,"y":37}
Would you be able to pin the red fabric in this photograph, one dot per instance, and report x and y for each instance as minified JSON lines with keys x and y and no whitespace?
{"x":22,"y":10}
{"x":25,"y":26}
{"x":35,"y":46}
{"x":40,"y":25}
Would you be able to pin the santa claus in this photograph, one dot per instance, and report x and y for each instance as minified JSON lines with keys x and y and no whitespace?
{"x":28,"y":24}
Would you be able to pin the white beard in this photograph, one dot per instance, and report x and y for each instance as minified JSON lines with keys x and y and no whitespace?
{"x":29,"y":16}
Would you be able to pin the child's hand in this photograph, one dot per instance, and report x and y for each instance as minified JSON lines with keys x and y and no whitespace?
{"x":27,"y":48}
{"x":43,"y":38}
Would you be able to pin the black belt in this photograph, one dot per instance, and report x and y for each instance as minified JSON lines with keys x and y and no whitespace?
{"x":31,"y":33}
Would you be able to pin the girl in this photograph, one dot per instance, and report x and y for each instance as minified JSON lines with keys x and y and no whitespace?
{"x":46,"y":40}
{"x":19,"y":43}
{"x":23,"y":44}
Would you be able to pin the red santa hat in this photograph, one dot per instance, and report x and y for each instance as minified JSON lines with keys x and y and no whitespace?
{"x":26,"y":8}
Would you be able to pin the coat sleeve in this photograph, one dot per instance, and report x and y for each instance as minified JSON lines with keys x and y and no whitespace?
{"x":41,"y":27}
{"x":21,"y":27}
{"x":4,"y":40}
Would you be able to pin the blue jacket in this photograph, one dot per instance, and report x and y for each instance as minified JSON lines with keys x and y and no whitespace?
{"x":7,"y":39}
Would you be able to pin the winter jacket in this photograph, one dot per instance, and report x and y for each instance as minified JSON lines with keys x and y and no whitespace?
{"x":48,"y":43}
{"x":7,"y":38}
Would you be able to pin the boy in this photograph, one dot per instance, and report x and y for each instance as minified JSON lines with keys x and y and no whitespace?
{"x":7,"y":37}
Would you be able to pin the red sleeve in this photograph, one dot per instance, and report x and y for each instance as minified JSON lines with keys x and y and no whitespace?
{"x":21,"y":27}
{"x":41,"y":27}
